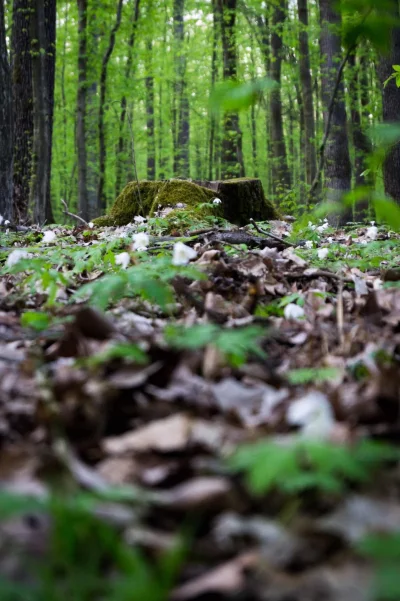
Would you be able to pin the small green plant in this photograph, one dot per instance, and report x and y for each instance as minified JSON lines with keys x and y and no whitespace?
{"x":86,"y":558}
{"x":236,"y":344}
{"x":309,"y":374}
{"x":384,"y":551}
{"x":303,"y":465}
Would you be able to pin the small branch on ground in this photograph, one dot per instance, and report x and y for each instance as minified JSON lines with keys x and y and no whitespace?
{"x":264,"y":233}
{"x":66,"y":212}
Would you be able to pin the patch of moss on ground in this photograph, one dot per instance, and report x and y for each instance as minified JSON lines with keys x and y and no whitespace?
{"x":150,"y":196}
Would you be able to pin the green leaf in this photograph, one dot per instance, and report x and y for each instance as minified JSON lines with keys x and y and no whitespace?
{"x":130,"y":352}
{"x":307,"y":374}
{"x":387,"y":211}
{"x":35,"y":320}
{"x":231,"y":95}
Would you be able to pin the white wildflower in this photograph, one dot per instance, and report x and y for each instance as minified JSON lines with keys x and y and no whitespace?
{"x":313,"y":414}
{"x":311,"y":225}
{"x":91,"y":224}
{"x":7,"y":222}
{"x":139,"y":219}
{"x":49,"y":236}
{"x":123,"y":259}
{"x":322,"y":253}
{"x":309,"y":244}
{"x":323,"y":227}
{"x":15,"y":256}
{"x":182,"y":254}
{"x":372,"y":232}
{"x":378,"y":284}
{"x":330,"y":239}
{"x":140,"y":241}
{"x":293,"y":311}
{"x":216,"y":201}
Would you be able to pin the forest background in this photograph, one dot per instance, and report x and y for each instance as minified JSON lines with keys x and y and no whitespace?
{"x":94,"y":87}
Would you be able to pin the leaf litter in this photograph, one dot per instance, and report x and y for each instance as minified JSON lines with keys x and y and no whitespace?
{"x":144,"y":397}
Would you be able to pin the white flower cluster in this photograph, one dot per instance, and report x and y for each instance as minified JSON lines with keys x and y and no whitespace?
{"x":15,"y":256}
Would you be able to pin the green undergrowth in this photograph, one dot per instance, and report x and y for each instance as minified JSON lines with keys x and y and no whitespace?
{"x":84,"y":557}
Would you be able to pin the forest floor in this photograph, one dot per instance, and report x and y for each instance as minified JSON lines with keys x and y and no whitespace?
{"x":226,"y":428}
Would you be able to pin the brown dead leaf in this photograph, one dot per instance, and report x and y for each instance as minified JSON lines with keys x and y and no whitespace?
{"x":226,"y":578}
{"x":164,"y":435}
{"x":198,"y":494}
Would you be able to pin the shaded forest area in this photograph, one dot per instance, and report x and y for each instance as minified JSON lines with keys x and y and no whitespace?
{"x":95,"y":95}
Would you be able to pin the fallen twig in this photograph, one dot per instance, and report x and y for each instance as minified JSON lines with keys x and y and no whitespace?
{"x":66,"y":212}
{"x":264,"y":233}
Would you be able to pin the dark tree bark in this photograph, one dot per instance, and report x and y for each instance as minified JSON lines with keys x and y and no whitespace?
{"x":122,"y":146}
{"x":232,"y":153}
{"x":307,"y":94}
{"x":6,"y":125}
{"x":281,"y":180}
{"x":43,"y":38}
{"x":181,"y":112}
{"x":23,"y":107}
{"x":150,"y":137}
{"x":101,"y":196}
{"x":391,"y":107}
{"x":81,"y":109}
{"x":337,"y":157}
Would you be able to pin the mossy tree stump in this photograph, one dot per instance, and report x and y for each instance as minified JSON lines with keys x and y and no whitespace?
{"x":241,"y":199}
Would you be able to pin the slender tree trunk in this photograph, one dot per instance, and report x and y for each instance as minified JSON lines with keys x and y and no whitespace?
{"x":306,"y":93}
{"x":232,"y":153}
{"x":337,"y":157}
{"x":6,"y":125}
{"x":265,"y":38}
{"x":122,"y":146}
{"x":181,"y":114}
{"x":23,"y":107}
{"x":214,"y":75}
{"x":253,"y":126}
{"x":150,"y":136}
{"x":391,"y":107}
{"x":163,"y":159}
{"x":81,"y":110}
{"x":42,"y":31}
{"x":361,"y":142}
{"x":63,"y":171}
{"x":101,"y":195}
{"x":281,"y":180}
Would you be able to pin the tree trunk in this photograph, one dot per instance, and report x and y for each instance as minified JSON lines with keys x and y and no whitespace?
{"x":101,"y":195}
{"x":43,"y":32}
{"x":181,"y":111}
{"x":6,"y":125}
{"x":307,"y":94}
{"x":281,"y":181}
{"x":214,"y":73}
{"x":23,"y":109}
{"x":150,"y":137}
{"x":232,"y":153}
{"x":337,"y":158}
{"x":391,"y":108}
{"x":81,"y":109}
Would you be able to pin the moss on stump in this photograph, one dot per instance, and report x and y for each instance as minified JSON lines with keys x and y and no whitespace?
{"x":155,"y":195}
{"x":242,"y":199}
